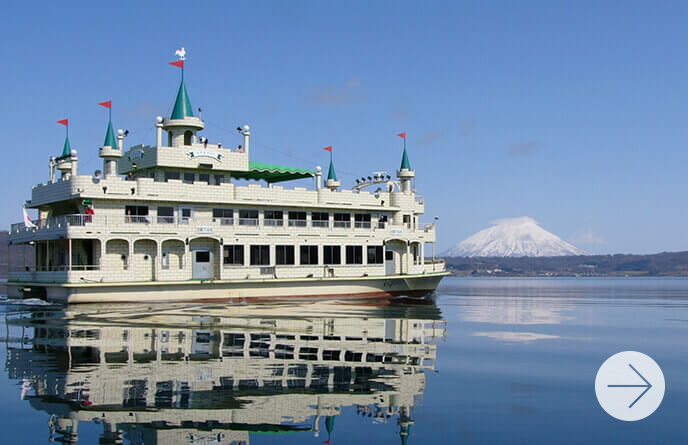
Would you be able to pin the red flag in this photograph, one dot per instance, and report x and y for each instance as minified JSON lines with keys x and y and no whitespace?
{"x":402,"y":135}
{"x":64,"y":122}
{"x":328,"y":149}
{"x":106,"y":104}
{"x":178,"y":63}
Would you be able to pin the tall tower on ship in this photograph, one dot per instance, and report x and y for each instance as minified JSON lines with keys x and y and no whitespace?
{"x":182,"y":125}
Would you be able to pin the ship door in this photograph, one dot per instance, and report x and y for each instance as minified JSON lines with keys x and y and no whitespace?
{"x":389,"y":262}
{"x":202,"y":264}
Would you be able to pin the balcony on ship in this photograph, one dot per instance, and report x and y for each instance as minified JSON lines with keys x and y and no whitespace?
{"x":82,"y":223}
{"x":57,"y":260}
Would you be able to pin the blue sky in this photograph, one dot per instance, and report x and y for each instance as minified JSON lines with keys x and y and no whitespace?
{"x":575,"y":114}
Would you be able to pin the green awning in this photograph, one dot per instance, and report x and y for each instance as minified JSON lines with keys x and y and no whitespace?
{"x":273,"y":173}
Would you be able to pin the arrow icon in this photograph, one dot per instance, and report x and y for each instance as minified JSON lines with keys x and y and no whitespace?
{"x":648,"y":385}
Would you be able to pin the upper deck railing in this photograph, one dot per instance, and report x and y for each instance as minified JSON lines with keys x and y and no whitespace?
{"x":82,"y":220}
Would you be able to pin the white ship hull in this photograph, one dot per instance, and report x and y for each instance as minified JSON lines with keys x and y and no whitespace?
{"x":232,"y":290}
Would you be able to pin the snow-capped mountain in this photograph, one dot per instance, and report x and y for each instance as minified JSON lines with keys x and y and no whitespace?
{"x":513,"y":237}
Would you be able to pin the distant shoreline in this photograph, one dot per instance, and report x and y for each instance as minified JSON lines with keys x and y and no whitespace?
{"x":665,"y":264}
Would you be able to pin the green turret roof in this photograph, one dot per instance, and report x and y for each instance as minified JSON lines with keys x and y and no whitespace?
{"x":182,"y":106}
{"x":405,"y":433}
{"x":331,"y":174}
{"x":329,"y":424}
{"x":67,"y":149}
{"x":405,"y":164}
{"x":110,"y":140}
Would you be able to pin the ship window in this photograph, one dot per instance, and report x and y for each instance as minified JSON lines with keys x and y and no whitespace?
{"x":187,"y":137}
{"x":308,"y":354}
{"x":232,"y":339}
{"x":407,"y":220}
{"x":354,"y":254}
{"x":382,"y":221}
{"x":331,"y":355}
{"x":260,"y":255}
{"x":202,"y":256}
{"x":248,"y":217}
{"x":165,"y":258}
{"x":171,"y":175}
{"x":187,"y":214}
{"x":136,"y":214}
{"x":309,"y":254}
{"x":415,"y":253}
{"x":375,"y":255}
{"x":204,"y":177}
{"x":169,"y":138}
{"x":165,"y":215}
{"x":332,"y":254}
{"x":342,"y":220}
{"x":219,"y":179}
{"x":273,"y":218}
{"x":189,"y":178}
{"x":297,"y":219}
{"x":320,"y":219}
{"x":362,"y":220}
{"x":136,"y":210}
{"x":284,"y":255}
{"x":234,"y":254}
{"x":352,"y":356}
{"x":389,"y":255}
{"x":224,"y":216}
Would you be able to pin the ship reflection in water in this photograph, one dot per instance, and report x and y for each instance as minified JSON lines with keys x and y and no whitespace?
{"x":218,"y":375}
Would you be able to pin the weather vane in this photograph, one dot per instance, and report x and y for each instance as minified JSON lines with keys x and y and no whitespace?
{"x":181,"y":53}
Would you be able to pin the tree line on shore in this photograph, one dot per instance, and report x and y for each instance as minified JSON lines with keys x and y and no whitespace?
{"x":660,"y":264}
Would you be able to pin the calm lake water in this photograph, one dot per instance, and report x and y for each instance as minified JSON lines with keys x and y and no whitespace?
{"x":489,"y":361}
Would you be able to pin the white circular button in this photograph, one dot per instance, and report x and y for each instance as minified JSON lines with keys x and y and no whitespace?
{"x":629,"y":386}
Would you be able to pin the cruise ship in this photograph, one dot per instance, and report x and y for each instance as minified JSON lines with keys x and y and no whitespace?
{"x":221,"y":375}
{"x":182,"y":219}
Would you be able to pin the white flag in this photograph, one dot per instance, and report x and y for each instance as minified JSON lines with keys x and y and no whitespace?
{"x":27,"y":220}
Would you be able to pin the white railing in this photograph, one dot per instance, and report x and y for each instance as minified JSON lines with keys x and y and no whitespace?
{"x":82,"y":220}
{"x":59,"y":222}
{"x":224,"y":221}
{"x":137,"y":219}
{"x":248,"y":221}
{"x":63,"y":268}
{"x":78,"y":220}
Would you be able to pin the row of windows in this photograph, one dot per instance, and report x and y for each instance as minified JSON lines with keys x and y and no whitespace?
{"x":190,"y":177}
{"x":249,"y":217}
{"x":259,"y":255}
